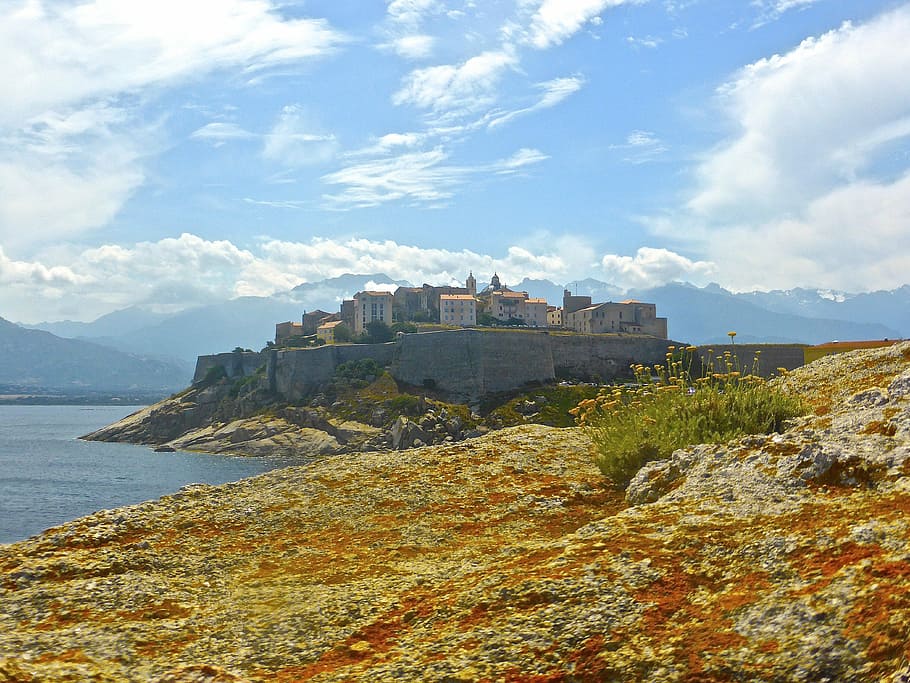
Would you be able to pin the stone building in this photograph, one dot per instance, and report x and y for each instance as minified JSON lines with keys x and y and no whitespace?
{"x":370,"y":307}
{"x":458,"y":309}
{"x":631,"y":316}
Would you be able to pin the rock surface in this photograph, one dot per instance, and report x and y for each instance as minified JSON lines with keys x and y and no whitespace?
{"x":772,"y":558}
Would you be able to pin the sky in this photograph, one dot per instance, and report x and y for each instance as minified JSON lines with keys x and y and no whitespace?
{"x":172,"y":154}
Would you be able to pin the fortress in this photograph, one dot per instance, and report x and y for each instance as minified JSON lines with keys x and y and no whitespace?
{"x":469,"y":364}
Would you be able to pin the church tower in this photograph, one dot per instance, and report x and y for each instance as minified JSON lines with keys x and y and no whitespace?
{"x":471,"y":284}
{"x":494,"y":283}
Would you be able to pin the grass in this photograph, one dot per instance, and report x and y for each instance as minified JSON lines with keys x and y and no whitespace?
{"x":665,"y":409}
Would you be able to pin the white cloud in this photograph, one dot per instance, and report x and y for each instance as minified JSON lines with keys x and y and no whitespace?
{"x":555,"y":21}
{"x":66,"y":173}
{"x":854,"y":238}
{"x":61,"y":54}
{"x":814,"y":188}
{"x":417,"y":46}
{"x":808,"y":120}
{"x":649,"y":42}
{"x":218,"y":133}
{"x":188,"y":270}
{"x":294,"y":140}
{"x":641,"y":146}
{"x":653,"y":267}
{"x":554,"y":92}
{"x":456,"y":89}
{"x":772,"y":10}
{"x":73,"y":139}
{"x":420,"y":177}
{"x":411,"y":12}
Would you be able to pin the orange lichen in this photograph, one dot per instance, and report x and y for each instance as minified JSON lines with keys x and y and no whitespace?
{"x":166,"y":609}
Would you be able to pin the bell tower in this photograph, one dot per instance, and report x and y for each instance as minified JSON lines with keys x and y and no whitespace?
{"x":471,"y":284}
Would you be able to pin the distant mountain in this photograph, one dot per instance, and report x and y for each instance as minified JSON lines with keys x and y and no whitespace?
{"x":695,"y":314}
{"x":705,"y":315}
{"x":891,"y":308}
{"x":113,"y":324}
{"x":246,"y":321}
{"x":34,"y":358}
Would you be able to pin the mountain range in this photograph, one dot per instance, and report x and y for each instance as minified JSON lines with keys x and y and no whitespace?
{"x":696,"y":315}
{"x":35,"y":360}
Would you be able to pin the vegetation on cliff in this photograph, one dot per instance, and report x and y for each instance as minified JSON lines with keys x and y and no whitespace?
{"x":666,"y":408}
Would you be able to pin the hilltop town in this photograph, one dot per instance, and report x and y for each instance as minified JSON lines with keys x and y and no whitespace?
{"x":461,"y":307}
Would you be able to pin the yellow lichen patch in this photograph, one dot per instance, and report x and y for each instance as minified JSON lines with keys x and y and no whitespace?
{"x":166,"y":609}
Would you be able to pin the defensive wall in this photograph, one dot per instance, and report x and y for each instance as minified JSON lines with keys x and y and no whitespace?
{"x":467,"y":364}
{"x":470,"y":364}
{"x":772,"y":356}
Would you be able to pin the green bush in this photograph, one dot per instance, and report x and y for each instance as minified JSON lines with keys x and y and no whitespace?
{"x":362,"y":369}
{"x":651,"y":418}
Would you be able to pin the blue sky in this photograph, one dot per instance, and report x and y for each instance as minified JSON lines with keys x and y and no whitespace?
{"x":176,"y":153}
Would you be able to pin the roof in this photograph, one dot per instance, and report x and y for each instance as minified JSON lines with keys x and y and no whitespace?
{"x":372,"y":293}
{"x":849,"y":345}
{"x":537,"y":301}
{"x":330,"y":324}
{"x":456,"y":297}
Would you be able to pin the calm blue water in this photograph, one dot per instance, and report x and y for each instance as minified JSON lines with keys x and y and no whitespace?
{"x":48,"y":476}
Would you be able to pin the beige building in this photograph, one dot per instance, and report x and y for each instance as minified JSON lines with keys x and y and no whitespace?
{"x":554,"y":316}
{"x":508,"y":305}
{"x":535,"y":312}
{"x":633,"y":317}
{"x":371,"y":306}
{"x":326,"y":331}
{"x":457,"y":309}
{"x":284,"y":331}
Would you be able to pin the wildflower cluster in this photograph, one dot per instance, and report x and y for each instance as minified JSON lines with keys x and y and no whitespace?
{"x":669,"y":407}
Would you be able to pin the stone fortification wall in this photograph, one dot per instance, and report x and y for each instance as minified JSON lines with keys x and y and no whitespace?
{"x":604,"y":358}
{"x":772,"y":357}
{"x":473,"y":363}
{"x":295,"y":373}
{"x":470,"y":364}
{"x":235,"y":364}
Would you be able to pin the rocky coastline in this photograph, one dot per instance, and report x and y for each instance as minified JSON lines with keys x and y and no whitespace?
{"x":502,"y":558}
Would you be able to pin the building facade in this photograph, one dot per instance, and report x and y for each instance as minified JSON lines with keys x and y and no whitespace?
{"x":631,"y":317}
{"x":370,"y":307}
{"x":326,"y":331}
{"x":458,"y":309}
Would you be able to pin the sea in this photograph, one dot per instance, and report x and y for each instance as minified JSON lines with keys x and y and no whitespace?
{"x":48,"y":476}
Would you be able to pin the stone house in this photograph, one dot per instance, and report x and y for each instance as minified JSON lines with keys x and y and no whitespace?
{"x":631,"y":316}
{"x":370,"y":307}
{"x":458,"y":309}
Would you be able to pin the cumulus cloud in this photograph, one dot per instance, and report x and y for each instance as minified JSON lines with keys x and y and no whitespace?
{"x":62,"y":53}
{"x":416,"y":46}
{"x":808,"y":120}
{"x":189,"y":270}
{"x":73,"y":140}
{"x":797,"y":196}
{"x":554,"y":21}
{"x":652,"y":267}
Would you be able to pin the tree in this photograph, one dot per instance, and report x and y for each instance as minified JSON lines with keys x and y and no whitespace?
{"x":377,"y":332}
{"x":342,"y":334}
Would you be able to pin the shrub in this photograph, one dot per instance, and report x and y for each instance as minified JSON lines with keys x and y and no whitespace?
{"x":363,"y":369}
{"x":666,"y":410}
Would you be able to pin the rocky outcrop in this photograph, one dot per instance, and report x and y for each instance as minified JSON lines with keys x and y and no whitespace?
{"x":778,"y":558}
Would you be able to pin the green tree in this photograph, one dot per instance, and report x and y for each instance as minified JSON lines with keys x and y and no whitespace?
{"x":377,"y":332}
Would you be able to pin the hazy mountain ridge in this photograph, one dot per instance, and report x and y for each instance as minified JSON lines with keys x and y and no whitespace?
{"x":35,"y":358}
{"x":699,"y":315}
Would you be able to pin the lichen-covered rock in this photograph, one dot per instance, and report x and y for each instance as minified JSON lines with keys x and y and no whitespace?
{"x":772,"y":558}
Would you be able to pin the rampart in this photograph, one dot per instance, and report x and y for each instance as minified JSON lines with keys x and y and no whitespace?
{"x":772,"y":356}
{"x":470,"y":364}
